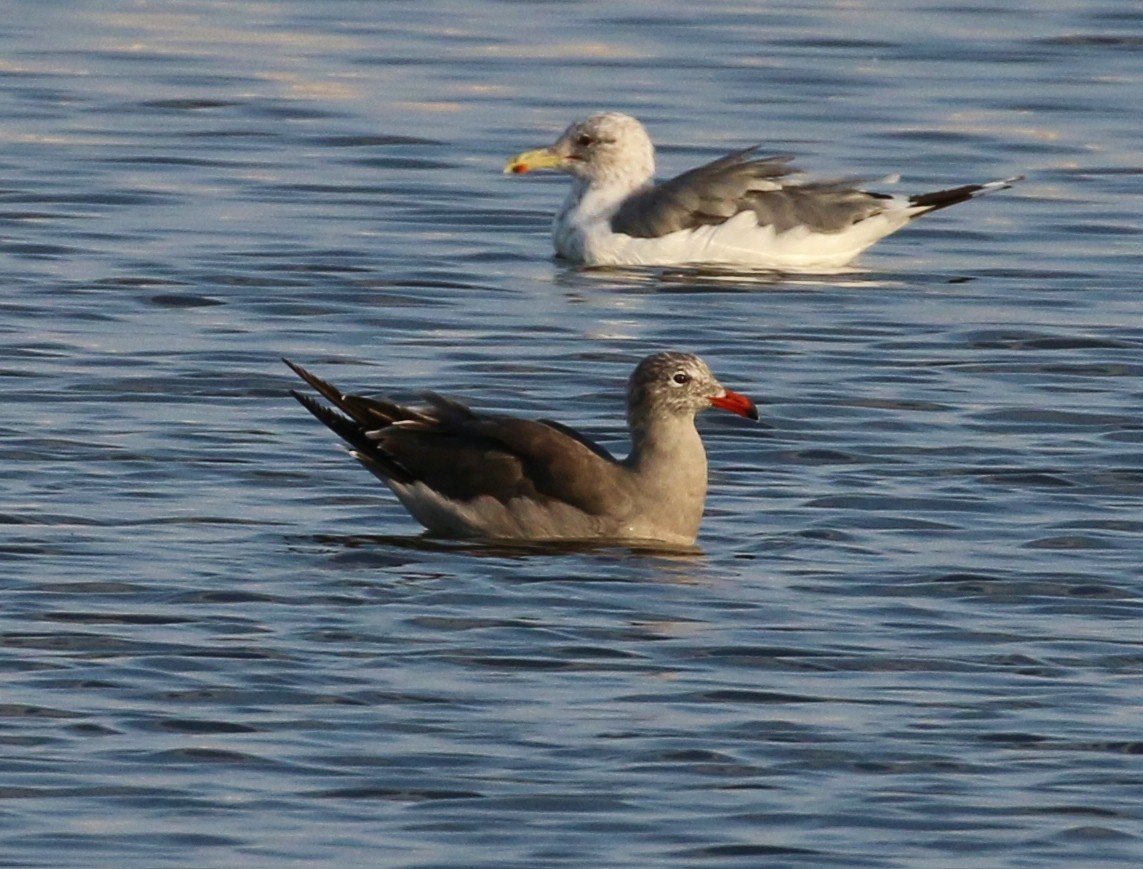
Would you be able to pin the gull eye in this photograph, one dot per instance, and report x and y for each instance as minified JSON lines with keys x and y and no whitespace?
{"x":583,"y":140}
{"x":680,"y":378}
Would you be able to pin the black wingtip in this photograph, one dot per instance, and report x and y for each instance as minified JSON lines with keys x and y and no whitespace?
{"x":297,"y":369}
{"x":336,"y":422}
{"x":326,"y":389}
{"x":364,"y":448}
{"x":954,"y":195}
{"x":310,"y":378}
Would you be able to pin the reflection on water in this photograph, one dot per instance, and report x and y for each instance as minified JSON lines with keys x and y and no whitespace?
{"x":913,"y":599}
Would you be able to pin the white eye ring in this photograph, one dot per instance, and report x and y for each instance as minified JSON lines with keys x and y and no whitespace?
{"x":680,"y":378}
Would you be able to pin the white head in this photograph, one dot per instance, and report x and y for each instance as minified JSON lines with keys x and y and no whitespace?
{"x":608,"y":148}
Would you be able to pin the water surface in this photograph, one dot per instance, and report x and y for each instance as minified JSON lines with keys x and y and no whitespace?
{"x":911,"y":633}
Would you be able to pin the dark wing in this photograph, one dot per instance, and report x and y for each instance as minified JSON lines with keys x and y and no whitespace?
{"x":465,"y":455}
{"x":361,"y":416}
{"x":582,"y":438}
{"x":713,"y":193}
{"x":365,"y":411}
{"x":506,"y":457}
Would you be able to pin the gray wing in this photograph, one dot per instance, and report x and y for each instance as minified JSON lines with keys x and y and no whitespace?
{"x":714,"y":193}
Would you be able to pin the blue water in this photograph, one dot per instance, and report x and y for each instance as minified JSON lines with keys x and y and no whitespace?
{"x":912,"y":634}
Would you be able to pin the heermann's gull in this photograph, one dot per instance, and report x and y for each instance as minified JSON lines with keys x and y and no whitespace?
{"x":469,"y":474}
{"x":739,"y":210}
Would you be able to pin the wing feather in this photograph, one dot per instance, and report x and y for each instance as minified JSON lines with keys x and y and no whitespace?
{"x":717,"y":191}
{"x":465,"y":455}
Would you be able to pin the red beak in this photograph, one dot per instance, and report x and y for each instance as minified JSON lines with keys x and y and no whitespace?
{"x":737,"y":403}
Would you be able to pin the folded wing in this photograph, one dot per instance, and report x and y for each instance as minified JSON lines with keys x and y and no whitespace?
{"x":465,"y":456}
{"x":712,"y":194}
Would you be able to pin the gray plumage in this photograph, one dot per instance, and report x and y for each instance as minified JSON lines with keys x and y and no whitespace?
{"x":713,"y":193}
{"x":472,"y":474}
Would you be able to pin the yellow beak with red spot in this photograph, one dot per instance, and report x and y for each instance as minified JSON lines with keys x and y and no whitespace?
{"x":540,"y":158}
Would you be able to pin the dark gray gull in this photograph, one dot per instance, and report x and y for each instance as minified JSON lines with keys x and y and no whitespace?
{"x":739,"y":210}
{"x":467,"y":474}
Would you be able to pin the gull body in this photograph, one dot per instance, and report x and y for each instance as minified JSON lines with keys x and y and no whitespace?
{"x":468,"y":474}
{"x":739,"y":210}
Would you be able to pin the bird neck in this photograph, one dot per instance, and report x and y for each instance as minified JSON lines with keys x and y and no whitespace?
{"x":669,"y":450}
{"x":668,"y":464}
{"x":601,"y":196}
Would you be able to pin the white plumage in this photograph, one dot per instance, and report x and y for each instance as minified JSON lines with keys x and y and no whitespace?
{"x":739,"y":210}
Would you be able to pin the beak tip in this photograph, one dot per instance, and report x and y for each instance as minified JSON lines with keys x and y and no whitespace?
{"x":531,"y":161}
{"x":737,"y":403}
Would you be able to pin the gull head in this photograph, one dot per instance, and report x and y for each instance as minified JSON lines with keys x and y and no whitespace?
{"x":608,"y":148}
{"x":673,"y":384}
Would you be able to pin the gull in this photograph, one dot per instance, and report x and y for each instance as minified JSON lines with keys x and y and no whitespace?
{"x":740,"y":210}
{"x":462,"y":473}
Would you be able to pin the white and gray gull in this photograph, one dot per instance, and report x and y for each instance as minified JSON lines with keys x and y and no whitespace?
{"x":740,"y":210}
{"x":468,"y":474}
